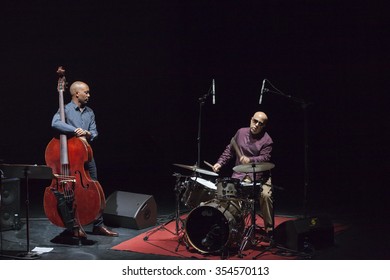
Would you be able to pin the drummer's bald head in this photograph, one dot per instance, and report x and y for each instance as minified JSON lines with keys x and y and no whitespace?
{"x":258,"y":122}
{"x":261,"y":116}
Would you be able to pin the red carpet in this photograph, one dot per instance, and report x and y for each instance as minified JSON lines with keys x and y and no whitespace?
{"x":162,"y":240}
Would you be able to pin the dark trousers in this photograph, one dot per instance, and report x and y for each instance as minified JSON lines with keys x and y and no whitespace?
{"x":91,"y":167}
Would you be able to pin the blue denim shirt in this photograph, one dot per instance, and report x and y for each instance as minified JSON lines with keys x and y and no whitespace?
{"x":75,"y":118}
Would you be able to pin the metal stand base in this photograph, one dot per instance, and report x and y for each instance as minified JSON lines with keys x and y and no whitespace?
{"x":179,"y":222}
{"x":28,"y":256}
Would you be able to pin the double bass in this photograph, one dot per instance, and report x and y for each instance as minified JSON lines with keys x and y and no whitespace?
{"x":73,"y":199}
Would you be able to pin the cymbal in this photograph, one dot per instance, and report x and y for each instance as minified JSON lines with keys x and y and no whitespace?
{"x":196,"y":169}
{"x":255,"y":167}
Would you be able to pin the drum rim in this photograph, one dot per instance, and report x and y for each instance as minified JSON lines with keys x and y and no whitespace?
{"x":216,"y":209}
{"x":199,"y":180}
{"x":236,"y":180}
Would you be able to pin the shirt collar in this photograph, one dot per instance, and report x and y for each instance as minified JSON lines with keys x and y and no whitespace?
{"x":76,"y":107}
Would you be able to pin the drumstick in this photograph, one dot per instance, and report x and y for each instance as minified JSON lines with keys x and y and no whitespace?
{"x":236,"y":148}
{"x":209,"y":164}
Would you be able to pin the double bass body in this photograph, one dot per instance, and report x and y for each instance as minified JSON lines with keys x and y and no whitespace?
{"x":73,"y":182}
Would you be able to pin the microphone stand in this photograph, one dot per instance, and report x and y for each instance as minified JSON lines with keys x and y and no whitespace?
{"x":201,"y":101}
{"x":304,"y":106}
{"x":1,"y":206}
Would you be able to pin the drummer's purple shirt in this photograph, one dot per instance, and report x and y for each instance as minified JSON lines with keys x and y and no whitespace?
{"x":257,"y":147}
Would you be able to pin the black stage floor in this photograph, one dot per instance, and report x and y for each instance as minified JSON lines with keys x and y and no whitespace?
{"x":365,"y":238}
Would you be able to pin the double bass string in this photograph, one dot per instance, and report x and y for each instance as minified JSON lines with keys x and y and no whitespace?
{"x":63,"y":183}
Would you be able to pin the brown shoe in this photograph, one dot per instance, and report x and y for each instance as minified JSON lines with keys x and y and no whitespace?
{"x":102,"y":230}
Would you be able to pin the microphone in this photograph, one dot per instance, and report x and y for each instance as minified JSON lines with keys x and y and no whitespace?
{"x":213,"y":90}
{"x":261,"y":92}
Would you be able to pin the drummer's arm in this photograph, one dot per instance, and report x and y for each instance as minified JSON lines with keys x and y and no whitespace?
{"x":264,"y":155}
{"x":224,"y":158}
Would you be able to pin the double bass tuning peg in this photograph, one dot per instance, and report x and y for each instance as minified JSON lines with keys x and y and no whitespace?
{"x":62,"y":83}
{"x":61,"y":71}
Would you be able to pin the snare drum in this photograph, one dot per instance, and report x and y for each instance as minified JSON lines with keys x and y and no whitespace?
{"x":198,"y":190}
{"x":247,"y":191}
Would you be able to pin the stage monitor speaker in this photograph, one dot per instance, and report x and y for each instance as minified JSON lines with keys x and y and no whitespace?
{"x":9,"y":203}
{"x":130,"y":210}
{"x":296,"y":234}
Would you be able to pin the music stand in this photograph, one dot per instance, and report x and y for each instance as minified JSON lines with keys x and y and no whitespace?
{"x":25,"y":171}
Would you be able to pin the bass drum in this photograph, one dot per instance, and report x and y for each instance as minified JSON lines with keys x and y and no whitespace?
{"x":215,"y":225}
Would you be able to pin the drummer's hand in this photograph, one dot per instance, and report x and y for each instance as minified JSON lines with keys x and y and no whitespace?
{"x":244,"y":160}
{"x":216,"y":167}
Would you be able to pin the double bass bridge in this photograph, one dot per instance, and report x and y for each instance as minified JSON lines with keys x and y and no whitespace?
{"x":65,"y":185}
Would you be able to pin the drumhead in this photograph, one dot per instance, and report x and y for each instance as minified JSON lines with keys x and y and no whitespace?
{"x":207,"y":229}
{"x":204,"y":182}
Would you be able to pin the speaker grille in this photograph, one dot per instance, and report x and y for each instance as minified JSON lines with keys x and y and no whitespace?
{"x":314,"y":231}
{"x":9,"y":202}
{"x":130,"y":210}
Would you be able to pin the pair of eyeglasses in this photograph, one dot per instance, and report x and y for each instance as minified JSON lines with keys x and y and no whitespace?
{"x":257,"y":122}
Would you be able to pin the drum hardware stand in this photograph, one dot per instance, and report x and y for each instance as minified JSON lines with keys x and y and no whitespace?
{"x":179,"y":227}
{"x":272,"y":242}
{"x":251,"y":231}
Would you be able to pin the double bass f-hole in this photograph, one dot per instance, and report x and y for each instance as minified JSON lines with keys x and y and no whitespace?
{"x":81,"y":179}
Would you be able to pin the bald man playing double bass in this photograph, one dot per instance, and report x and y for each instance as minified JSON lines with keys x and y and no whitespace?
{"x":80,"y":122}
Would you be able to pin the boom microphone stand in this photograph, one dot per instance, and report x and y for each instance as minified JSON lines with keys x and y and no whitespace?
{"x":304,"y":106}
{"x":201,"y":101}
{"x":1,"y":205}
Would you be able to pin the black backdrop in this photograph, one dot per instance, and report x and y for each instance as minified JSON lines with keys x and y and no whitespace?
{"x":148,"y":62}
